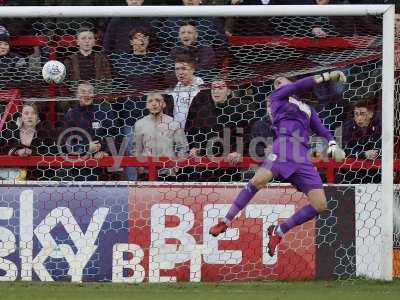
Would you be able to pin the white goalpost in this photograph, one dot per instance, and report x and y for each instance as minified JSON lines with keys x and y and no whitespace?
{"x":387,"y":140}
{"x":388,"y":98}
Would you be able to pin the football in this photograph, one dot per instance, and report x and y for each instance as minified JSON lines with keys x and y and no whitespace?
{"x":53,"y":72}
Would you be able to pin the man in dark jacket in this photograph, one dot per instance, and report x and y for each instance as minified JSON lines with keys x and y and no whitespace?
{"x":116,"y":37}
{"x":88,"y":65}
{"x":89,"y":121}
{"x":86,"y":128}
{"x":361,"y":139}
{"x":139,"y":69}
{"x":218,"y":125}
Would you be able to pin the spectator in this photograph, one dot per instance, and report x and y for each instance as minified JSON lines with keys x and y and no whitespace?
{"x":234,"y":114}
{"x":361,"y":136}
{"x":87,"y":65}
{"x":85,"y":116}
{"x":116,"y":37}
{"x":25,"y":137}
{"x":203,"y":112}
{"x":218,"y":126}
{"x":139,"y":39}
{"x":21,"y":70}
{"x":204,"y":56}
{"x":86,"y":129}
{"x":361,"y":139}
{"x":139,"y":69}
{"x":186,"y":89}
{"x":13,"y":67}
{"x":201,"y":120}
{"x":157,"y":135}
{"x":203,"y":116}
{"x":211,"y":31}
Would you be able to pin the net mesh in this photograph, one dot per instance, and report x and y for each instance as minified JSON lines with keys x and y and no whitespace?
{"x":215,"y":90}
{"x":247,"y":63}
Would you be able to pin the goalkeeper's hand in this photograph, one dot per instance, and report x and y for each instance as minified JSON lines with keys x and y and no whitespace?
{"x":337,"y":76}
{"x":335,"y":152}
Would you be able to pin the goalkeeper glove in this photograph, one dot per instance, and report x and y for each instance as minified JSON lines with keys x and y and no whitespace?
{"x":335,"y":152}
{"x":334,"y":76}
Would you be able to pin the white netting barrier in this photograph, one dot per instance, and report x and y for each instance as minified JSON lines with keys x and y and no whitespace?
{"x":214,"y":90}
{"x":122,"y":70}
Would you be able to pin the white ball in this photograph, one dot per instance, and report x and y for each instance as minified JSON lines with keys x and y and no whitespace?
{"x":54,"y":72}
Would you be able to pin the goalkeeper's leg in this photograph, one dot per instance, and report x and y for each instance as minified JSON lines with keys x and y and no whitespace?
{"x":308,"y":212}
{"x":305,"y":179}
{"x":260,"y":179}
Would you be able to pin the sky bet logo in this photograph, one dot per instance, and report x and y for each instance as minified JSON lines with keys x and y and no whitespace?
{"x":77,"y":256}
{"x":124,"y":234}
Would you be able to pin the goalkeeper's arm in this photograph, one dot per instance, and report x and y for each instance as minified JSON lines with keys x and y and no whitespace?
{"x":305,"y":84}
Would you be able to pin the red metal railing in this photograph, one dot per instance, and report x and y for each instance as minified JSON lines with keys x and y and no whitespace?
{"x":153,"y":164}
{"x":355,"y":42}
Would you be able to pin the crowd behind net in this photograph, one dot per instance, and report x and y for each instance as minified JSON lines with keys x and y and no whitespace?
{"x":114,"y":64}
{"x":229,"y":88}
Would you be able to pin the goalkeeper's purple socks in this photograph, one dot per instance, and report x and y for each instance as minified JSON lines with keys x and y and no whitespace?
{"x":245,"y":195}
{"x":303,"y":215}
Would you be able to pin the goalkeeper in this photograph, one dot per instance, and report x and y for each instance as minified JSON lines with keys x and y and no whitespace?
{"x":293,"y":122}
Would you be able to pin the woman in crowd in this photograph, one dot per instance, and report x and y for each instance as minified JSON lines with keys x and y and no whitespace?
{"x":23,"y":137}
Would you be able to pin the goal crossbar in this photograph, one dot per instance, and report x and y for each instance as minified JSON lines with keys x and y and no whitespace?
{"x":191,"y":11}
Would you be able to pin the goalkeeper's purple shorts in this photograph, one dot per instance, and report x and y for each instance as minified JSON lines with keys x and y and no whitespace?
{"x":303,"y":176}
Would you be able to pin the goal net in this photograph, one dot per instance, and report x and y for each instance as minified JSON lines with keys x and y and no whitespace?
{"x":100,"y":190}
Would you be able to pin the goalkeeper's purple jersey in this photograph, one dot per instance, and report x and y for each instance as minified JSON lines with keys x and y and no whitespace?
{"x":294,"y":122}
